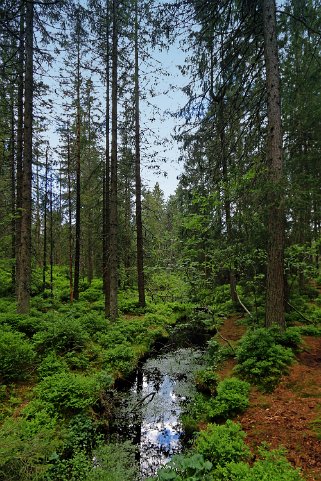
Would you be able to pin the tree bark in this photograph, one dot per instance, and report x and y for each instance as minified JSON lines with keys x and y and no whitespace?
{"x":13,"y":198}
{"x":106,"y":196}
{"x":78,"y":172}
{"x":71,"y":291}
{"x":20,"y":110}
{"x":138,"y":182}
{"x":45,"y":230}
{"x":24,"y":280}
{"x":113,"y":175}
{"x":276,"y":222}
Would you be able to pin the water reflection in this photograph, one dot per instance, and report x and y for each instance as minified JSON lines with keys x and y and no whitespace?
{"x":149,"y":413}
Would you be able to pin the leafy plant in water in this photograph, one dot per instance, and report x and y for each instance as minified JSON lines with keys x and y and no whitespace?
{"x":185,"y":468}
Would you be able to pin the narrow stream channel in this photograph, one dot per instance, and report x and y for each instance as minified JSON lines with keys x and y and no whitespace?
{"x":149,"y":412}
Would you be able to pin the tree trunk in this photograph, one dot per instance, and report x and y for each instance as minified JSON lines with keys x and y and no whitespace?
{"x":51,"y":238}
{"x":19,"y":142}
{"x":45,"y":230}
{"x":106,"y":197}
{"x":276,"y":222}
{"x":113,"y":175}
{"x":139,"y":224}
{"x":71,"y":291}
{"x":24,"y":280}
{"x":13,"y":198}
{"x":78,"y":167}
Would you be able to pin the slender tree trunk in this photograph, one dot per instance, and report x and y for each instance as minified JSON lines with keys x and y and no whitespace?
{"x":139,"y":223}
{"x":51,"y":238}
{"x":106,"y":206}
{"x":78,"y":171}
{"x":13,"y":198}
{"x":276,"y":222}
{"x":71,"y":291}
{"x":113,"y":174}
{"x":45,"y":230}
{"x":20,"y":111}
{"x":90,"y":266}
{"x":38,"y":220}
{"x":24,"y":281}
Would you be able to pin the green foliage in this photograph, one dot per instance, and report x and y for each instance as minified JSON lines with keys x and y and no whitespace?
{"x":222,"y":444}
{"x":50,"y":365}
{"x":26,"y":446}
{"x":164,"y":286}
{"x":206,"y":381}
{"x":122,"y":359}
{"x":185,"y":468}
{"x":310,"y":330}
{"x":114,"y":462}
{"x":17,"y":356}
{"x":69,"y":392}
{"x":232,"y":398}
{"x":216,"y":353}
{"x":62,"y":335}
{"x":261,"y":360}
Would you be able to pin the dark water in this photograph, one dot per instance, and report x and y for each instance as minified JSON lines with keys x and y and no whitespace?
{"x":148,"y":413}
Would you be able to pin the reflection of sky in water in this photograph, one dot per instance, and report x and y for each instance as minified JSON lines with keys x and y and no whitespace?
{"x":160,"y":391}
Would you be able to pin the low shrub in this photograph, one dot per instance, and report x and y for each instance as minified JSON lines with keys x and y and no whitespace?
{"x":222,"y":444}
{"x":261,"y":360}
{"x":62,"y":335}
{"x":17,"y":356}
{"x":206,"y":381}
{"x":122,"y":359}
{"x":69,"y":392}
{"x":220,"y":454}
{"x":50,"y":365}
{"x":26,"y":446}
{"x":232,"y":398}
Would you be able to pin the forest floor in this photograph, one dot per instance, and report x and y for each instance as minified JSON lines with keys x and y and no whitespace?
{"x":289,"y":416}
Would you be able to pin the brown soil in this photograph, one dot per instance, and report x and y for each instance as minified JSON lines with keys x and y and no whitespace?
{"x":287,"y":417}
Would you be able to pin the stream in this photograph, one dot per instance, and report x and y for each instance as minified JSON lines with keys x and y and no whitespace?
{"x":148,"y":413}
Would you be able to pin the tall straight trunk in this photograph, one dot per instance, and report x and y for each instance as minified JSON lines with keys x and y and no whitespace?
{"x":90,"y":263}
{"x":37,"y":215}
{"x":106,"y":197}
{"x":13,"y":197}
{"x":78,"y":153}
{"x":51,"y":238}
{"x":71,"y":291}
{"x":24,"y":280}
{"x":45,"y":230}
{"x":139,"y":224}
{"x":276,"y":222}
{"x":113,"y":174}
{"x":20,"y":110}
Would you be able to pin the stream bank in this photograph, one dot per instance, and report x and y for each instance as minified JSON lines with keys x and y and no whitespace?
{"x":147,"y":412}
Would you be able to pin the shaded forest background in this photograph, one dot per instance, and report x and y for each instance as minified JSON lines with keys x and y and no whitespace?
{"x":97,"y":271}
{"x":82,"y":209}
